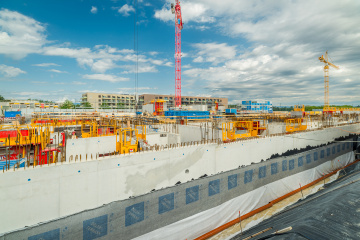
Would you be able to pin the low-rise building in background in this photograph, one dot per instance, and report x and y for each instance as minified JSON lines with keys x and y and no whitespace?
{"x":107,"y":100}
{"x":185,"y":100}
{"x":257,"y":106}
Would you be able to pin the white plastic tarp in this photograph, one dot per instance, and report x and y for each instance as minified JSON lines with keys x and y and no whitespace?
{"x":201,"y":223}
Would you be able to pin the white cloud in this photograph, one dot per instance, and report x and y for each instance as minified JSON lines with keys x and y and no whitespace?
{"x":153,"y":53}
{"x":91,"y":91}
{"x":140,"y":90}
{"x":142,"y":68}
{"x":168,"y":64}
{"x":93,"y":10}
{"x":78,"y":83}
{"x":105,"y":77}
{"x":103,"y":65}
{"x":83,"y":62}
{"x":20,"y":35}
{"x":46,"y":65}
{"x":198,"y":59}
{"x":125,"y":10}
{"x":190,"y":11}
{"x":56,"y":71}
{"x":184,"y":54}
{"x":214,"y":52}
{"x":102,"y":58}
{"x":9,"y":71}
{"x":30,"y":94}
{"x":67,"y":52}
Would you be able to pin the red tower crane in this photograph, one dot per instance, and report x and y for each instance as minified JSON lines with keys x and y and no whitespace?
{"x":178,"y":27}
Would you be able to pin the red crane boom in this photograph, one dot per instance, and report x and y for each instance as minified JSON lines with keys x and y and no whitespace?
{"x":178,"y":27}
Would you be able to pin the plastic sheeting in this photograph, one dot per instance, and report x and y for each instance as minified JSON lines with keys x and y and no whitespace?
{"x":331,"y":213}
{"x":208,"y":220}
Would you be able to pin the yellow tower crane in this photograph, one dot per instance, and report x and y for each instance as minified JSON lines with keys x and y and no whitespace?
{"x":326,"y":78}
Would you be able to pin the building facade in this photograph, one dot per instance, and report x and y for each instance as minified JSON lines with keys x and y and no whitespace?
{"x":257,"y":106}
{"x":185,"y":100}
{"x":106,"y":100}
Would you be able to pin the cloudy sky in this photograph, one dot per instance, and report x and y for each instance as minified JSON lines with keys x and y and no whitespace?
{"x":242,"y":49}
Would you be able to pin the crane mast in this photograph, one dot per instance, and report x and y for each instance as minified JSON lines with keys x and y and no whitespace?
{"x":178,"y":27}
{"x":325,"y":60}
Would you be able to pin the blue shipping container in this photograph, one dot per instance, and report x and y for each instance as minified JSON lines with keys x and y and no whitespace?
{"x":230,"y":111}
{"x":12,"y":113}
{"x":188,"y":114}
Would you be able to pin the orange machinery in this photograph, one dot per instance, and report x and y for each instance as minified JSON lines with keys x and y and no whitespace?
{"x":241,"y":129}
{"x":295,"y":125}
{"x":158,"y":107}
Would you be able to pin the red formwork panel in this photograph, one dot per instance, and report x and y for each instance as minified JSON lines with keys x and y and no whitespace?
{"x":13,"y":133}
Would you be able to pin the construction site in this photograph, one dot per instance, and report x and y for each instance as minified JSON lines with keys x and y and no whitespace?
{"x":172,"y":169}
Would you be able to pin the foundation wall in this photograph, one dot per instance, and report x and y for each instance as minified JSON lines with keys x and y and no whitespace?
{"x":189,"y":210}
{"x":44,"y":193}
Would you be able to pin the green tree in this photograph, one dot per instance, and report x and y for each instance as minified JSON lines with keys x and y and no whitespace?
{"x":105,"y":106}
{"x":120,"y":105}
{"x":2,"y":98}
{"x":232,"y":106}
{"x":86,"y":105}
{"x":283,"y":108}
{"x":67,"y":105}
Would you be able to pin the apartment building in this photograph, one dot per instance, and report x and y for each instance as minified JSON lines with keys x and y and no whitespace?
{"x":185,"y":100}
{"x":106,"y":100}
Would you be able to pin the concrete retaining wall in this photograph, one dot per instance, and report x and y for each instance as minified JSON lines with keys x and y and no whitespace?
{"x":137,"y":216}
{"x":73,"y":187}
{"x":89,"y":146}
{"x":162,"y":138}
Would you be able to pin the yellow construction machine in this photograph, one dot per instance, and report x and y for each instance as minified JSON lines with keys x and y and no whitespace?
{"x":240,"y":129}
{"x":295,"y":125}
{"x":126,"y":140}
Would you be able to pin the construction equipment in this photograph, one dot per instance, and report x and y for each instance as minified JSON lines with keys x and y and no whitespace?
{"x":240,"y":129}
{"x":159,"y":107}
{"x":326,"y":80}
{"x":126,"y":140}
{"x":295,"y":125}
{"x":19,"y":142}
{"x":141,"y":135}
{"x":299,"y":108}
{"x":89,"y":129}
{"x":178,"y":27}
